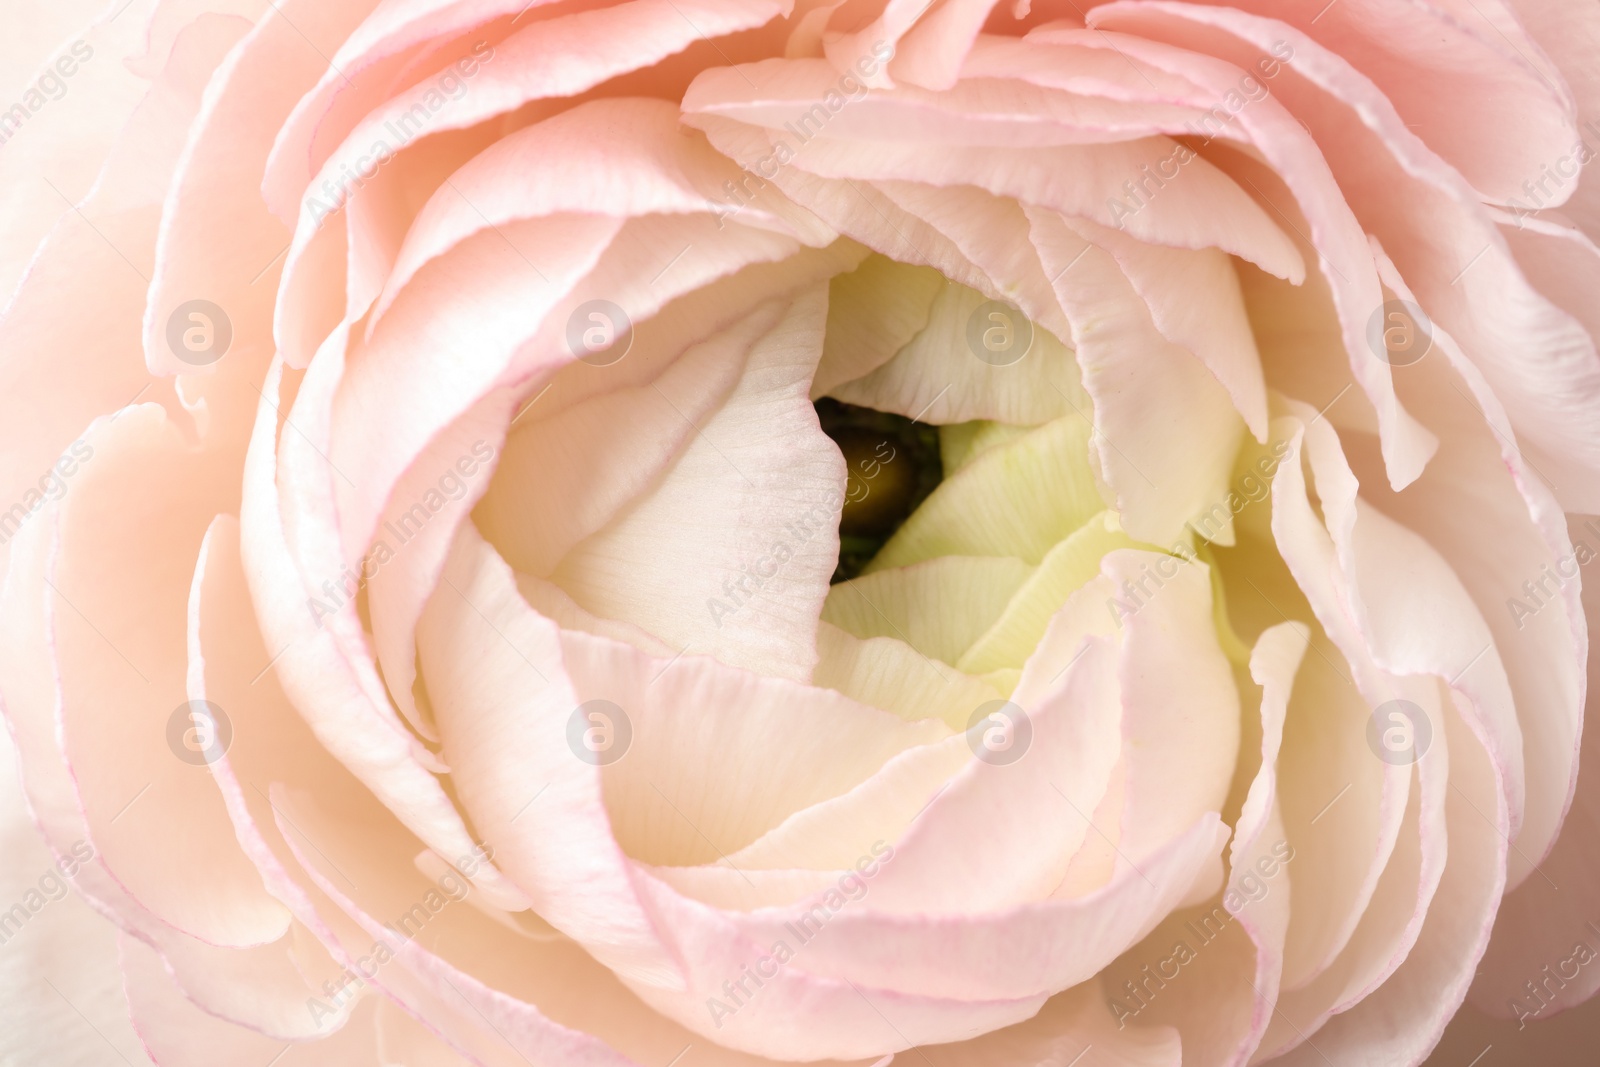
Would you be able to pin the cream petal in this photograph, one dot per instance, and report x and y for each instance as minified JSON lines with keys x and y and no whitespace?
{"x":1195,"y":301}
{"x":514,"y":330}
{"x":567,"y":830}
{"x":102,"y":245}
{"x":1404,"y":632}
{"x":602,"y":453}
{"x":1260,"y":849}
{"x":834,"y":835}
{"x":1393,"y":919}
{"x":1076,"y":1023}
{"x":400,"y":589}
{"x":1568,"y":34}
{"x":1434,"y":227}
{"x":1542,"y":650}
{"x":482,"y":714}
{"x":1336,"y":232}
{"x":402,"y":565}
{"x":1015,"y":632}
{"x":1541,"y":922}
{"x":334,"y":689}
{"x":923,"y":877}
{"x":85,"y":127}
{"x":991,"y":231}
{"x":887,"y":673}
{"x":115,"y":627}
{"x":1046,"y":945}
{"x":939,"y":606}
{"x":216,"y":187}
{"x":706,"y":776}
{"x":752,"y":500}
{"x":1479,"y":95}
{"x":1351,"y":686}
{"x":1166,"y":431}
{"x":964,"y":441}
{"x":550,"y":601}
{"x":177,"y":1033}
{"x":1404,"y":1022}
{"x":990,"y":506}
{"x":939,"y":377}
{"x":873,"y":312}
{"x":1180,"y":707}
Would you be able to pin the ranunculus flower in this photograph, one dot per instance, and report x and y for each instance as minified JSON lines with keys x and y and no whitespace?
{"x":724,"y":532}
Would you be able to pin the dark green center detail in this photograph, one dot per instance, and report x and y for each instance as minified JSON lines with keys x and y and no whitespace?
{"x":892,"y":464}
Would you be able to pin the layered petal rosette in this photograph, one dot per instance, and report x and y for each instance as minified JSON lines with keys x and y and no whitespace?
{"x":724,"y":533}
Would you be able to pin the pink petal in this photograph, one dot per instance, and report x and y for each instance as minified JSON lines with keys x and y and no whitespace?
{"x":1165,"y":438}
{"x":216,"y":187}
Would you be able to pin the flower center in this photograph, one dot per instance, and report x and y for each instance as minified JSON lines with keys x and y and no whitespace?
{"x":892,"y":464}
